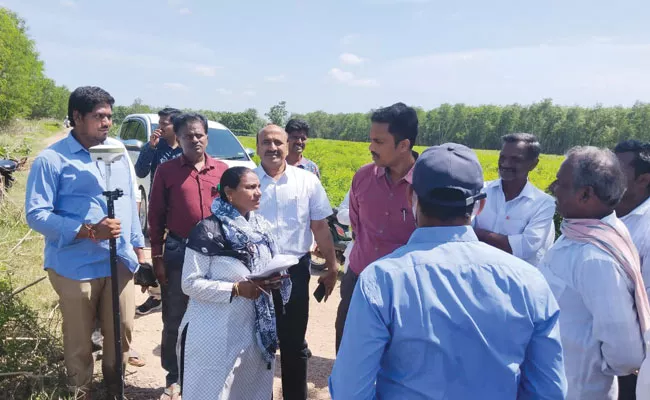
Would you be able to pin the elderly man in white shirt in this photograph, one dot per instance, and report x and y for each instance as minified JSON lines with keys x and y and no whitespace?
{"x":295,"y":203}
{"x":634,"y":211}
{"x":593,"y":271}
{"x":518,"y":217}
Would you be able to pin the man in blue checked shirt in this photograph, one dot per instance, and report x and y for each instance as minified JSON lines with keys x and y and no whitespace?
{"x":446,"y":316}
{"x":64,"y":202}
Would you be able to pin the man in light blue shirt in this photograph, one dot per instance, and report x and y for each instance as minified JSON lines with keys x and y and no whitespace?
{"x":446,"y":316}
{"x":64,"y":202}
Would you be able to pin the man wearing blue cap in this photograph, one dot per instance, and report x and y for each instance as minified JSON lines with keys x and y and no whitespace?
{"x":447,"y":316}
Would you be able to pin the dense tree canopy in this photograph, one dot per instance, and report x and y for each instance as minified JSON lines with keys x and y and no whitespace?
{"x":24,"y":90}
{"x":557,"y":127}
{"x":481,"y":127}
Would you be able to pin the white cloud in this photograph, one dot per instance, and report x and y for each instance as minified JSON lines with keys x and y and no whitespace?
{"x":204,"y":70}
{"x":340,"y":75}
{"x":68,"y":3}
{"x":587,"y":72}
{"x":276,"y":78}
{"x":184,"y":11}
{"x":351,"y":59}
{"x":349,"y":39}
{"x":175,"y":86}
{"x":224,"y":92}
{"x":350,"y":79}
{"x":249,"y":93}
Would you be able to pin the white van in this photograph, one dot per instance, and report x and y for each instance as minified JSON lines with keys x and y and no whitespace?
{"x":222,"y":144}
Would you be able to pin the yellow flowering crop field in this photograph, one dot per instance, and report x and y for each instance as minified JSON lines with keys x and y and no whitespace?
{"x":338,"y":160}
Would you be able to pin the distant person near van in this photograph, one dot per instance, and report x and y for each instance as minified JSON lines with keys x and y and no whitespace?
{"x":162,"y":146}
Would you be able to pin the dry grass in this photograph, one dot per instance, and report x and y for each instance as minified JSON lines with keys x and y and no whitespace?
{"x":30,"y":323}
{"x":23,"y":264}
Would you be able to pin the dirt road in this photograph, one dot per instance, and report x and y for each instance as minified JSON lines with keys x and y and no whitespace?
{"x":53,"y":139}
{"x":147,"y":382}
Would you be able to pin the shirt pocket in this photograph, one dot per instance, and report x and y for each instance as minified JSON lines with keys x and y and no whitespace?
{"x":209,"y":186}
{"x":513,"y":226}
{"x":294,"y":210}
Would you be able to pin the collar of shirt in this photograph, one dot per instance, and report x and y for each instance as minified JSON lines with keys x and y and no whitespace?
{"x":528,"y":191}
{"x":610,"y":219}
{"x":283,"y":177}
{"x":381,"y":171}
{"x":74,"y":145}
{"x":210,"y":163}
{"x":443,"y":234}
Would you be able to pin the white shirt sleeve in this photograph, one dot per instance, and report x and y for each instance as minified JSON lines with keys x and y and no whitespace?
{"x":343,"y":214}
{"x":608,"y":297}
{"x":319,"y":204}
{"x":534,"y":236}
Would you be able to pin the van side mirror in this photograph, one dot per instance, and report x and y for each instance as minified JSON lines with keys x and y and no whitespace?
{"x":133,"y":145}
{"x":250,"y":152}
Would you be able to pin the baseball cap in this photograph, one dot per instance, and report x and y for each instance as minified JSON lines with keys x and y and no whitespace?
{"x":448,"y":166}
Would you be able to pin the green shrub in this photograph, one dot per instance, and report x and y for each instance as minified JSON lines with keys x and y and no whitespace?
{"x":31,"y":353}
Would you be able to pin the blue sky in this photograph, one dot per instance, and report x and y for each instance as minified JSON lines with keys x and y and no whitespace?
{"x":346,"y":56}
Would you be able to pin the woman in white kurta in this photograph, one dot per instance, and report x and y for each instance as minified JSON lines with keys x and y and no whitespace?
{"x":228,"y":341}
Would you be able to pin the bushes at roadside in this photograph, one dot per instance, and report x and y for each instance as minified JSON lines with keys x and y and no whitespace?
{"x":31,"y":353}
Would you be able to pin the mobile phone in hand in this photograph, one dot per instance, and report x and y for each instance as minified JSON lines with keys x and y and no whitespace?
{"x":319,"y":293}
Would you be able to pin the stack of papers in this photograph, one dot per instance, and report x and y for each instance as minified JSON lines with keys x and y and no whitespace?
{"x":277,"y":264}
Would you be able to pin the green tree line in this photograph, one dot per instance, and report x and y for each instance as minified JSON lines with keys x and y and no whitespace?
{"x":481,"y":127}
{"x":25,"y":91}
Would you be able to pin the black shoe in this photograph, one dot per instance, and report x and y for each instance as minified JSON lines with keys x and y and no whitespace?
{"x":150,"y":305}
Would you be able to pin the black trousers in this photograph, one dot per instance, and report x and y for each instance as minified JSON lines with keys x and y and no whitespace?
{"x":174,"y":304}
{"x":348,"y":283}
{"x":627,"y":387}
{"x":291,"y":320}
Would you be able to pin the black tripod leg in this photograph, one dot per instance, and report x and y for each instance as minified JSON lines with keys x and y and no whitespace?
{"x":117,"y":331}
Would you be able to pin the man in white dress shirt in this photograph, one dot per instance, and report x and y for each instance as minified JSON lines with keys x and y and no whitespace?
{"x":599,"y":326}
{"x":295,"y":203}
{"x":634,"y":211}
{"x":518,"y":217}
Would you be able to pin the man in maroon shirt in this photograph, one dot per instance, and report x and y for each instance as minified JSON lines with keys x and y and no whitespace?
{"x":380,"y":226}
{"x":181,"y":196}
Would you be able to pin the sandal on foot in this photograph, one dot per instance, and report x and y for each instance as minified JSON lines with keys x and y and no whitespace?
{"x":173,"y":392}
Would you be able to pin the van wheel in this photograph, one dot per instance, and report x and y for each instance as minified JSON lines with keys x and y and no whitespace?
{"x":143,"y":212}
